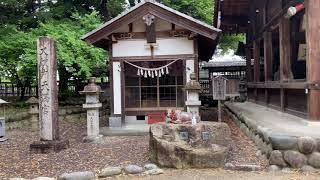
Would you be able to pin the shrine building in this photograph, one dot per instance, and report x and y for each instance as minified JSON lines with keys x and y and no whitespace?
{"x":152,"y":49}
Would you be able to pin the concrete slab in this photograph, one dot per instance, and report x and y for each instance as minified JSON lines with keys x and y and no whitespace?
{"x":274,"y":122}
{"x":127,"y":130}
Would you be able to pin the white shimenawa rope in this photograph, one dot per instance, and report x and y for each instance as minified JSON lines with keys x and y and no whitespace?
{"x":152,"y":72}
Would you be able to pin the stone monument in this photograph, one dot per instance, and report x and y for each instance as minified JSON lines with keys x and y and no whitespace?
{"x":34,"y":112}
{"x":193,"y":88}
{"x":48,"y":99}
{"x":92,"y":92}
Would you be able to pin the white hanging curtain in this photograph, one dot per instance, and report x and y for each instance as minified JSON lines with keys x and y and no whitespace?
{"x":152,"y":72}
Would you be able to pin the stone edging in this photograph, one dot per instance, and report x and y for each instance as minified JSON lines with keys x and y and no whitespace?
{"x":148,"y":169}
{"x":282,"y":151}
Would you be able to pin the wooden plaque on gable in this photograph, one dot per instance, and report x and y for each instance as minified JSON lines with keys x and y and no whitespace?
{"x":219,"y":88}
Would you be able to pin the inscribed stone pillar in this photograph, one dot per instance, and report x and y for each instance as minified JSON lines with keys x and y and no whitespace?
{"x":48,"y":97}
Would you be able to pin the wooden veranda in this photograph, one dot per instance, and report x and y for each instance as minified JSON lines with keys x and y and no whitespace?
{"x":285,"y":48}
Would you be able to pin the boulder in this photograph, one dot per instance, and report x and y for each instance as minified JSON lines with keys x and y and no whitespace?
{"x":274,"y":168}
{"x":133,"y":169}
{"x":318,"y":145}
{"x":276,"y":158}
{"x":150,"y":166}
{"x":306,"y":145}
{"x":86,"y":175}
{"x":110,"y":171}
{"x":204,"y":145}
{"x":156,"y":171}
{"x":281,"y":142}
{"x":286,"y":170}
{"x":314,"y":159}
{"x":43,"y":178}
{"x":308,"y":169}
{"x":295,"y":159}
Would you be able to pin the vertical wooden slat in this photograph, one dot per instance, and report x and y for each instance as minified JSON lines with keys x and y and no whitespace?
{"x":248,"y":59}
{"x":256,"y":51}
{"x":268,"y":56}
{"x":285,"y":50}
{"x":313,"y":56}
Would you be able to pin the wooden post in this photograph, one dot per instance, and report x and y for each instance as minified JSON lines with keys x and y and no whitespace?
{"x":248,"y":58}
{"x":219,"y":110}
{"x":285,"y":50}
{"x":268,"y":56}
{"x":256,"y":51}
{"x":313,"y":57}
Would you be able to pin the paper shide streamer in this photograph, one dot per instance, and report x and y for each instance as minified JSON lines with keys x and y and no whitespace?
{"x":152,"y":72}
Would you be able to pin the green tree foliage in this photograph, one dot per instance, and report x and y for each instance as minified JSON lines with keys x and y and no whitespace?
{"x":76,"y":59}
{"x":230,"y":42}
{"x":17,"y":56}
{"x":202,"y":10}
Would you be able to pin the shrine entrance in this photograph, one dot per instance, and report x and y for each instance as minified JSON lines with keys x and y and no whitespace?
{"x":147,"y":91}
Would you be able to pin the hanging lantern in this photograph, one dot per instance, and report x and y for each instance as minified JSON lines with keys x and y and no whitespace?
{"x":145,"y":74}
{"x":149,"y":73}
{"x":156,"y":72}
{"x":162,"y":71}
{"x":138,"y":73}
{"x":167,"y":70}
{"x":141,"y":72}
{"x":294,"y":10}
{"x":152,"y":74}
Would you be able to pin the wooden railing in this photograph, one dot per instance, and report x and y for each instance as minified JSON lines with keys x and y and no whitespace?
{"x":12,"y":89}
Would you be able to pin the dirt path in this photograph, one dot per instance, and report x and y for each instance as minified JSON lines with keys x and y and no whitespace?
{"x":218,"y":174}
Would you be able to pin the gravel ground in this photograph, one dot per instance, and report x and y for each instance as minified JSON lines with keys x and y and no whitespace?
{"x":17,"y":161}
{"x":243,"y":150}
{"x":219,"y":174}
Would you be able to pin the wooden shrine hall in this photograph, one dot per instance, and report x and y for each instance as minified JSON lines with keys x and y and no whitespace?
{"x":153,"y":49}
{"x":283,"y":39}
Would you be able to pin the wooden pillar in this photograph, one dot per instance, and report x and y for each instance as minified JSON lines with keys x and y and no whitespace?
{"x":285,"y":50}
{"x":248,"y":58}
{"x":256,"y":52}
{"x":268,"y":56}
{"x":313,"y":57}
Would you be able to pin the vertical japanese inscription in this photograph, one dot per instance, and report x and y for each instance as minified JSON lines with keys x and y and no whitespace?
{"x":48,"y":100}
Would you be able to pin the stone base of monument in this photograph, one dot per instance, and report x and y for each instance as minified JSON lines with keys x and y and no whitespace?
{"x":204,"y":145}
{"x":93,"y":139}
{"x":48,"y":146}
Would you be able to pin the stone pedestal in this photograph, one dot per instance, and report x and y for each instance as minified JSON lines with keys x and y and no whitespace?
{"x":115,"y":121}
{"x":92,"y":91}
{"x":193,"y":88}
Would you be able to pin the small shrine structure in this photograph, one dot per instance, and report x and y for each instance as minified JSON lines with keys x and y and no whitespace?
{"x":152,"y":49}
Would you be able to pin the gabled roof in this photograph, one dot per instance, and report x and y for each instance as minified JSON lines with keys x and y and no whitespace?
{"x":208,"y":34}
{"x":158,"y":10}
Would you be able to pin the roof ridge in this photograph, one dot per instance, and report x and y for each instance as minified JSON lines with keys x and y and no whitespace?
{"x":154,"y":3}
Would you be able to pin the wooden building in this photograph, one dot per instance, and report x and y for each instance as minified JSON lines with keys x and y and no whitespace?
{"x":234,"y":70}
{"x":283,"y":39}
{"x":153,"y":49}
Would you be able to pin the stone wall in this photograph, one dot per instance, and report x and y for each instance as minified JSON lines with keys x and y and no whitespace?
{"x":282,"y":151}
{"x":17,"y":115}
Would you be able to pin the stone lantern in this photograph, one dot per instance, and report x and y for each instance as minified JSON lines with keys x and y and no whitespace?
{"x":34,"y":112}
{"x":2,"y":121}
{"x":92,"y":92}
{"x":193,"y":88}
